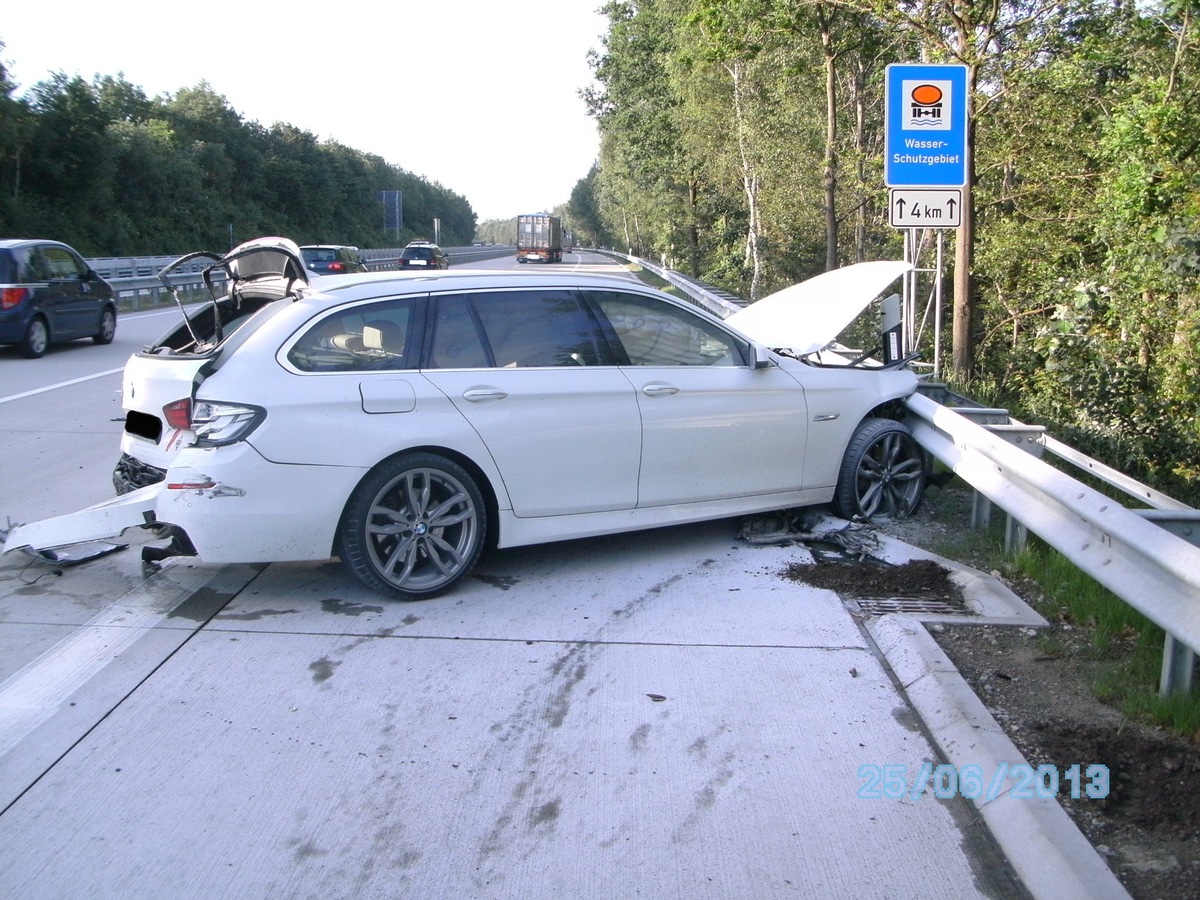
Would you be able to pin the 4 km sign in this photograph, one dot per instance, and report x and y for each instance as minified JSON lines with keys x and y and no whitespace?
{"x":925,"y":208}
{"x":925,"y":143}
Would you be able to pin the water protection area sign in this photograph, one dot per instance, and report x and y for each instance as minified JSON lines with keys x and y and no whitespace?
{"x":925,"y":143}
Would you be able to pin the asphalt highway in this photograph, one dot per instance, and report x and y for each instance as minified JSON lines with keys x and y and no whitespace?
{"x":657,"y":714}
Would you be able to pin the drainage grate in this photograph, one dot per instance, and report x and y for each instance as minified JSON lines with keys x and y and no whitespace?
{"x":882,"y":606}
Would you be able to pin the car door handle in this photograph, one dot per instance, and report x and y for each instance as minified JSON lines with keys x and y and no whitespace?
{"x":659,"y":389}
{"x":481,"y":395}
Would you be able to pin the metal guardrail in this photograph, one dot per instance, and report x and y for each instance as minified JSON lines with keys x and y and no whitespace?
{"x":1148,"y":558}
{"x":712,"y":299}
{"x":382,"y":260}
{"x":134,"y":279}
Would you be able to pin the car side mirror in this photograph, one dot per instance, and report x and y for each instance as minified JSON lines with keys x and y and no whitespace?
{"x":762,"y":357}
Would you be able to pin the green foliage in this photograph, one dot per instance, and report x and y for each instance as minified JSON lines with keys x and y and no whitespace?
{"x":1113,"y":625}
{"x":583,"y":213}
{"x":1085,"y":260}
{"x":111,"y":171}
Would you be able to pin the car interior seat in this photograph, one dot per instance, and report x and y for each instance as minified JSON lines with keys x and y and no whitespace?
{"x":385,"y":336}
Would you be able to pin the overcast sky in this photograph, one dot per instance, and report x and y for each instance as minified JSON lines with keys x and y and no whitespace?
{"x":481,"y":96}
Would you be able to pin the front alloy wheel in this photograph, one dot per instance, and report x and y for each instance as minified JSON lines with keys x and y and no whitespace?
{"x":882,"y":474}
{"x":414,"y":528}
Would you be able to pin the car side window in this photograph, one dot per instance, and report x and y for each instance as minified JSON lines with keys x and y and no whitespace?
{"x":654,"y":333}
{"x":539,"y":328}
{"x":457,"y":341}
{"x":374,"y":337}
{"x":62,"y":265}
{"x":33,"y":267}
{"x":516,"y":329}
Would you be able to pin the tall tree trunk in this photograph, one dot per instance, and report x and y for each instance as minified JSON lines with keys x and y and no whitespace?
{"x":962,"y":355}
{"x":860,"y":140}
{"x":693,"y":188}
{"x":750,"y":182}
{"x":831,"y":134}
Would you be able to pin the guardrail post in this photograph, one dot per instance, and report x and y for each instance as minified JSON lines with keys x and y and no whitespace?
{"x":981,"y":511}
{"x":1015,"y":535}
{"x":1178,"y":668}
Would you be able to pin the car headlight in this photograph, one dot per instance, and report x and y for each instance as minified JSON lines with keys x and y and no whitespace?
{"x":216,"y":424}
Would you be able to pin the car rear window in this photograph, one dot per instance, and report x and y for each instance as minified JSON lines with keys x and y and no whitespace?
{"x":8,"y":268}
{"x":416,"y":253}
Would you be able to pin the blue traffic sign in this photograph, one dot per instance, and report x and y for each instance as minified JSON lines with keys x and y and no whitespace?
{"x":925,"y":142}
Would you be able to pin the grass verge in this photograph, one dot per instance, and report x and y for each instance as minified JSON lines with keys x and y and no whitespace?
{"x":1130,"y":644}
{"x":1122,"y":647}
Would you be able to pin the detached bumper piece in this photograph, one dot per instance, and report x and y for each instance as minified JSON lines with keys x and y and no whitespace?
{"x":72,"y":555}
{"x":104,"y":520}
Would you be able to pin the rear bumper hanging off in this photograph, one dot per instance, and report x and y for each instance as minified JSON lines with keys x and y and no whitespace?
{"x":108,"y":519}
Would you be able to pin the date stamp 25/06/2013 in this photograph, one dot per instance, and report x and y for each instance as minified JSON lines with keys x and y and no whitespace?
{"x":1022,"y":781}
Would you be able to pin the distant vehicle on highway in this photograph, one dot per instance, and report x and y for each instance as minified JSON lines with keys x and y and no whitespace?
{"x":403,"y":423}
{"x":539,"y":238}
{"x":332,"y":259}
{"x":423,"y":255}
{"x":49,"y":294}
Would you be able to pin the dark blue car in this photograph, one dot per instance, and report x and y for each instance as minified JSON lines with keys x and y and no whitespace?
{"x":48,"y":294}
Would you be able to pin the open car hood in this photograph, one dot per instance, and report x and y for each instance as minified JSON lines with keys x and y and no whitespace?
{"x":806,"y":317}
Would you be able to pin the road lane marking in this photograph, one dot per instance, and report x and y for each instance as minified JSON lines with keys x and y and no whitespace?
{"x":61,"y":384}
{"x":32,"y":695}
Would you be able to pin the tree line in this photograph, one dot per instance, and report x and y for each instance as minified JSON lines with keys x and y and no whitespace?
{"x":742,"y":140}
{"x":113,"y":172}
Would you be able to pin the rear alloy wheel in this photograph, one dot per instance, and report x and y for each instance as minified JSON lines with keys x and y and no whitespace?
{"x":414,"y":528}
{"x":882,"y":474}
{"x":108,"y":327}
{"x":36,"y":339}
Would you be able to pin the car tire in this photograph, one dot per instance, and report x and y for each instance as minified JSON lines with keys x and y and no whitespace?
{"x":108,"y":327}
{"x":882,"y":473}
{"x":36,"y":338}
{"x":414,"y":527}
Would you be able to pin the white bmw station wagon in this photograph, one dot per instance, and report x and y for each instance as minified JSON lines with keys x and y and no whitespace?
{"x":402,"y":421}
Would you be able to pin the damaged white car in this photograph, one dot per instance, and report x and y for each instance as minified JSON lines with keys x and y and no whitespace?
{"x":401,"y":422}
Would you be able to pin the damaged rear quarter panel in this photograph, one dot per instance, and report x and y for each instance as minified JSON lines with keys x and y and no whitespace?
{"x":261,"y":511}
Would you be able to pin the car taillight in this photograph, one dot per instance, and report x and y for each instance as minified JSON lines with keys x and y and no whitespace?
{"x":224,"y":423}
{"x":179,"y":414}
{"x":12,"y":296}
{"x":336,"y":267}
